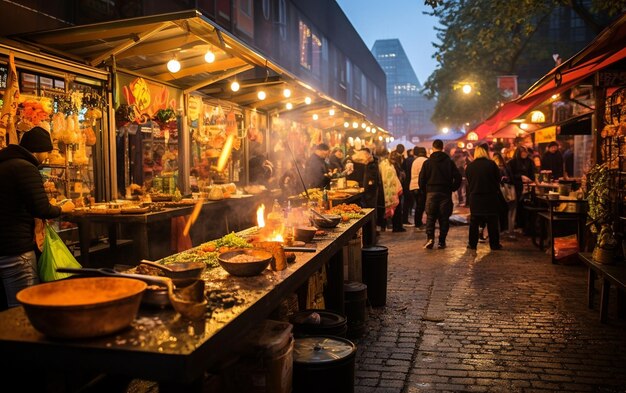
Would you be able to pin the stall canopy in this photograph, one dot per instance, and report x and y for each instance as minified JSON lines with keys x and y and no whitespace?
{"x":143,"y":46}
{"x":605,"y":50}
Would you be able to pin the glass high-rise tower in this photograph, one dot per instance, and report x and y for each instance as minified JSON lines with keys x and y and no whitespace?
{"x":408,"y":110}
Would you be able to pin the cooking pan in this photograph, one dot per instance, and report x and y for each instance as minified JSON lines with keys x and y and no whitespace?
{"x":189,"y":301}
{"x":82,"y":307}
{"x":181,"y":273}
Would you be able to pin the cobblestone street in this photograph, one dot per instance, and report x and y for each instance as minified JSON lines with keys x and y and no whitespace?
{"x":486,"y":321}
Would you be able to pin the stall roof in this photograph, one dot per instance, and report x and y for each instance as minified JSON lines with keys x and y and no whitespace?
{"x":142,"y":46}
{"x":606,"y":49}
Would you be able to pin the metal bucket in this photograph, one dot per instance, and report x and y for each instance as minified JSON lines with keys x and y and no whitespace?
{"x":313,"y":322}
{"x":323,"y":364}
{"x":374,"y":262}
{"x":355,"y":299}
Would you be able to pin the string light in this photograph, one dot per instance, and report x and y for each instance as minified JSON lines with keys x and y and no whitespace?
{"x":173,"y":66}
{"x":346,"y":124}
{"x":235,"y":86}
{"x":289,"y":106}
{"x":331,"y":112}
{"x":307,"y":100}
{"x":209,"y":57}
{"x":315,"y":116}
{"x":355,"y":124}
{"x":261,"y":95}
{"x":287,"y":93}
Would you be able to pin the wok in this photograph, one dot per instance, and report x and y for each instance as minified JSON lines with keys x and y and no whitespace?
{"x":189,"y":301}
{"x":82,"y":307}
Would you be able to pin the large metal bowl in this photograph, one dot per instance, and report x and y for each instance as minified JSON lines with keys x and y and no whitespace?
{"x":331,"y":221}
{"x":82,"y":307}
{"x":256,"y":261}
{"x":305,"y":234}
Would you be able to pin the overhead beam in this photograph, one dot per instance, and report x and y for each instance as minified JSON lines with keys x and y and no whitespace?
{"x":222,"y":65}
{"x":218,"y":78}
{"x":129,"y":43}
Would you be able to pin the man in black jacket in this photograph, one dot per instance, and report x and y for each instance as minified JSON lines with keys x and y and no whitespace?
{"x":22,"y":199}
{"x":439,"y":177}
{"x":316,"y":172}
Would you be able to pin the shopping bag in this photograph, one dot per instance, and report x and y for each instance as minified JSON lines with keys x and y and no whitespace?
{"x":55,"y":254}
{"x":508,"y":192}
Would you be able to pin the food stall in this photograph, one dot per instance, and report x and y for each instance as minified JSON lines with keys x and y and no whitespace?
{"x":162,"y":346}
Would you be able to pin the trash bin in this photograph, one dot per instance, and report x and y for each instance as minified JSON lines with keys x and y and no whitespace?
{"x":355,"y":305}
{"x":313,"y":322}
{"x":374,"y":260}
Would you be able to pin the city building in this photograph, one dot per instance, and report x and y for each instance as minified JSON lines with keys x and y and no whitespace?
{"x":409,"y":110}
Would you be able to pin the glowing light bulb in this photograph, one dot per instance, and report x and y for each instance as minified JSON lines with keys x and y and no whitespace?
{"x":261,"y":95}
{"x":209,"y":57}
{"x":289,"y":106}
{"x":315,"y":116}
{"x":355,"y":125}
{"x":235,"y":86}
{"x":467,"y":88}
{"x":346,"y":124}
{"x":173,"y":66}
{"x":331,"y":112}
{"x":307,"y":100}
{"x":287,"y":93}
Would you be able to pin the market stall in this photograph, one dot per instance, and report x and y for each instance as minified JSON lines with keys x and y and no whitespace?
{"x":163,"y":347}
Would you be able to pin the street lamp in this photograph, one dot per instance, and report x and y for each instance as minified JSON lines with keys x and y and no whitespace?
{"x":467,"y":88}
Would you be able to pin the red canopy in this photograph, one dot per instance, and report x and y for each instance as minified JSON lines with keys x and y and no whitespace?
{"x":606,"y":49}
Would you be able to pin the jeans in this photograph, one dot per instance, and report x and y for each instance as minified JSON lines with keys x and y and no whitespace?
{"x":420,"y":206}
{"x":438,"y":208}
{"x":17,"y":272}
{"x":493,"y":228}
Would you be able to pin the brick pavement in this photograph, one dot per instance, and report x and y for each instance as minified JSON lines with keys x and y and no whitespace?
{"x":486,"y":321}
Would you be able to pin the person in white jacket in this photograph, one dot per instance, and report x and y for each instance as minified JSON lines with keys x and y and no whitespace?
{"x":418,"y":195}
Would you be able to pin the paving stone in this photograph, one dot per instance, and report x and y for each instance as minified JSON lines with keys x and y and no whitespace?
{"x":506,"y":321}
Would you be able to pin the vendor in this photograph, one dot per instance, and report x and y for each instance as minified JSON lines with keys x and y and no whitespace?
{"x":552,"y":160}
{"x":317,"y":174}
{"x":22,"y":199}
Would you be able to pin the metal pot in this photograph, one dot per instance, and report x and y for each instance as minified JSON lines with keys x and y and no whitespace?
{"x":82,"y":307}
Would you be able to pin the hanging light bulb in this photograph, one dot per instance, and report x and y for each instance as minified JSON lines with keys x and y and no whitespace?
{"x":386,"y":140}
{"x":368,"y":129}
{"x":363,"y":125}
{"x":261,"y":95}
{"x":391,"y":138}
{"x":331,"y":112}
{"x":355,"y":124}
{"x":315,"y":116}
{"x":287,"y":93}
{"x":173,"y":66}
{"x":235,"y":86}
{"x":307,"y":100}
{"x":346,"y":124}
{"x":380,"y":138}
{"x":209,"y":56}
{"x":289,"y":106}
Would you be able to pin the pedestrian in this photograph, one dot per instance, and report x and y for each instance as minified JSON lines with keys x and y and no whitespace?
{"x":552,"y":160}
{"x":418,"y":194}
{"x":461,"y":159}
{"x":483,"y":185}
{"x":316,"y":173}
{"x":522,"y":171}
{"x":408,"y":201}
{"x":507,"y":217}
{"x":439,"y":177}
{"x":335,"y":161}
{"x":396,"y":160}
{"x":22,"y":199}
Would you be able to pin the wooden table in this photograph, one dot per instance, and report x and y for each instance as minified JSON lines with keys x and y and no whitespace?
{"x":609,"y":275}
{"x":216,"y":219}
{"x":162,"y":347}
{"x":552,"y":216}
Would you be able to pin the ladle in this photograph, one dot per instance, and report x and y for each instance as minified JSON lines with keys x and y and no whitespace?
{"x":189,"y":301}
{"x":320,"y":215}
{"x":181,"y":273}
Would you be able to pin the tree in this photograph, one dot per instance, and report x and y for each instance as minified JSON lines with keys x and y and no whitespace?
{"x":479,"y":40}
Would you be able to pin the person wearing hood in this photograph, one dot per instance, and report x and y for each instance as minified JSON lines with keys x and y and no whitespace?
{"x":439,"y":177}
{"x":22,"y":199}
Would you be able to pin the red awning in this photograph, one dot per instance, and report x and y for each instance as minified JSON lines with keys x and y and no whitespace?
{"x":606,"y":50}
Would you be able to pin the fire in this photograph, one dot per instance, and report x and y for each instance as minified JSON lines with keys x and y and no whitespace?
{"x":275,"y":236}
{"x":260,"y":214}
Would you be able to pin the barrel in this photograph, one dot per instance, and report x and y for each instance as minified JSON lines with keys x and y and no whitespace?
{"x":314,"y":322}
{"x":323,"y":364}
{"x":355,"y":299}
{"x":374,"y":262}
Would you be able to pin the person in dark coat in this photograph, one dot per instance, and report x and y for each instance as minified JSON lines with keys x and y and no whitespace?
{"x":335,"y":161}
{"x":483,"y":189}
{"x":367,"y":174}
{"x":552,"y":160}
{"x":439,"y":177}
{"x":22,"y":199}
{"x":522,"y":171}
{"x":408,"y":200}
{"x":316,"y":172}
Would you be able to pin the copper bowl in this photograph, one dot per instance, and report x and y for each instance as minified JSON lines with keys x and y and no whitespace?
{"x":82,"y":307}
{"x":253,"y":261}
{"x":305,"y":234}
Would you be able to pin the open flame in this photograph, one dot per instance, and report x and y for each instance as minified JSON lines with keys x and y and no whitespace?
{"x":260,"y":216}
{"x":275,"y":236}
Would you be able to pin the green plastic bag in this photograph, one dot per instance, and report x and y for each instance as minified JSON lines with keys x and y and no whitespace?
{"x":55,"y":254}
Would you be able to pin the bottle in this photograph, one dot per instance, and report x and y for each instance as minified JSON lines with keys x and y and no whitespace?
{"x":276,"y":217}
{"x":325,"y":200}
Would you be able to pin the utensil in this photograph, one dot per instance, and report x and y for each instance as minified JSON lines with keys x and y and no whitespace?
{"x":188,"y":301}
{"x":329,"y":222}
{"x":299,"y":249}
{"x":82,"y":307}
{"x":197,"y":208}
{"x":181,"y":273}
{"x":320,"y":215}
